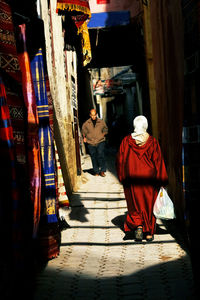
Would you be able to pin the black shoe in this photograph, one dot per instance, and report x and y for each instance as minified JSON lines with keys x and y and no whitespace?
{"x":139,"y":234}
{"x":149,"y":238}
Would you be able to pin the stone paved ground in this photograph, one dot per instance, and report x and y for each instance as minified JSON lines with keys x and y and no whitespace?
{"x":96,"y":263}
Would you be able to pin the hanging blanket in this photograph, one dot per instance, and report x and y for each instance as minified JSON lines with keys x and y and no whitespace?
{"x":13,"y":192}
{"x":80,"y":9}
{"x":10,"y":217}
{"x":45,"y":137}
{"x":11,"y":74}
{"x":34,"y":158}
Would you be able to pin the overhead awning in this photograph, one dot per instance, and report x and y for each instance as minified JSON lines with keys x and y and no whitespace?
{"x":109,"y":13}
{"x":109,"y":19}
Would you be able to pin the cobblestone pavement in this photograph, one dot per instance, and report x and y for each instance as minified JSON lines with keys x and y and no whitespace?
{"x":96,"y":263}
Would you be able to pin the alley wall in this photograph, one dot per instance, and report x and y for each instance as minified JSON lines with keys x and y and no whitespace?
{"x":164,"y":48}
{"x":61,"y":66}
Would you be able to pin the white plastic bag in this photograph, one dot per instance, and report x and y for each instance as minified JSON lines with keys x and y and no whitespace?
{"x":163,"y":207}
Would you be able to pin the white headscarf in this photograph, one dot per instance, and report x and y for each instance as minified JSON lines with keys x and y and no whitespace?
{"x":140,"y":134}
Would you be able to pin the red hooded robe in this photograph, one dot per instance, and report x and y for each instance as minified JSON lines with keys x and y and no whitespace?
{"x":141,"y":169}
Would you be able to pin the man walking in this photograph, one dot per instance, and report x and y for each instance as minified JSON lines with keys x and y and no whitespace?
{"x":94,"y":131}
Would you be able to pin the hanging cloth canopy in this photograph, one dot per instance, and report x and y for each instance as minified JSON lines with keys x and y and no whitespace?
{"x":80,"y":10}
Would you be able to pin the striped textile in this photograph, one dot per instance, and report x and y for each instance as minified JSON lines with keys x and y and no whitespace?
{"x":45,"y":138}
{"x":34,"y":158}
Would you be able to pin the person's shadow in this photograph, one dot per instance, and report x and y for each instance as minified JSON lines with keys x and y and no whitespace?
{"x":119,"y":221}
{"x":78,"y":211}
{"x":90,"y":171}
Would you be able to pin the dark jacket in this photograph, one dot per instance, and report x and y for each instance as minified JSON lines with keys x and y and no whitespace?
{"x":94,"y":134}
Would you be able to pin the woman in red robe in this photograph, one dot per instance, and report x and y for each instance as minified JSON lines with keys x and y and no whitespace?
{"x":141,"y":169}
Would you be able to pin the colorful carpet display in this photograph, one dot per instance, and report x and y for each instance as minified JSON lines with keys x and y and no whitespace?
{"x":27,"y":149}
{"x":31,"y":178}
{"x":45,"y":137}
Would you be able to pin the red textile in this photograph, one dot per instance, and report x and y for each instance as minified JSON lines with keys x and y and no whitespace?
{"x":13,"y":196}
{"x":142,"y":171}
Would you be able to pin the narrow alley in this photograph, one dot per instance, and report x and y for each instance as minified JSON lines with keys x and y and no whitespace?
{"x":96,"y":263}
{"x":75,"y":75}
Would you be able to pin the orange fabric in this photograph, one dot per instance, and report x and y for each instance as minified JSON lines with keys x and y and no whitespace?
{"x":32,"y":130}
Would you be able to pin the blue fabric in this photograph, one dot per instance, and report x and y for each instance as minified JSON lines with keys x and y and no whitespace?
{"x":109,"y":19}
{"x":45,"y":138}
